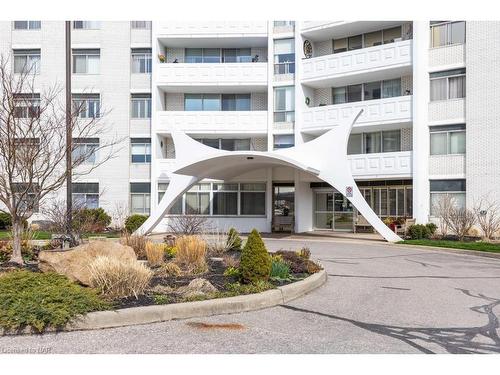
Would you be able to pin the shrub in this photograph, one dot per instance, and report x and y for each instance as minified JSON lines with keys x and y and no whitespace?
{"x":191,"y":253}
{"x":5,"y":220}
{"x":170,"y":251}
{"x":232,"y":272}
{"x":255,"y":263}
{"x":234,"y":240}
{"x":418,"y":231}
{"x":155,"y":253}
{"x":297,"y":263}
{"x":91,"y":220}
{"x":280,"y":270}
{"x":28,"y":252}
{"x":133,"y":222}
{"x":217,"y":242}
{"x":117,"y":278}
{"x":305,"y":253}
{"x":432,"y":228}
{"x":168,"y":270}
{"x":38,"y":300}
{"x":230,"y":261}
{"x":138,"y":243}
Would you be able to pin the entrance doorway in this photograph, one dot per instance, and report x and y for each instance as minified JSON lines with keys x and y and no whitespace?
{"x":332,"y":211}
{"x":283,"y":207}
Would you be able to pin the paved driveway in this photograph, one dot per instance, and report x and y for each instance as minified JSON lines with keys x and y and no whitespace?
{"x":378,"y":299}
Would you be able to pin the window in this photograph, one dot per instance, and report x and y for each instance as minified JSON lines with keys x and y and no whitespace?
{"x":284,"y":104}
{"x":84,"y":150}
{"x":367,"y":91}
{"x":395,"y":199}
{"x":284,"y":56}
{"x":28,"y":195}
{"x":253,"y":199}
{"x":197,"y":200}
{"x":86,"y":25}
{"x":145,"y":25}
{"x":374,"y":142}
{"x":225,"y":199}
{"x":236,"y":102}
{"x":455,"y":189}
{"x":26,"y":148}
{"x":339,"y":45}
{"x":85,"y":195}
{"x":355,"y":42}
{"x":227,"y":144}
{"x":26,"y":105}
{"x":176,"y":208}
{"x":236,"y":55}
{"x":87,"y":105}
{"x":447,"y":33}
{"x":373,"y":39}
{"x":27,"y":25}
{"x":202,"y":55}
{"x":283,"y":141}
{"x":392,"y":35}
{"x":140,"y":196}
{"x":141,"y":60}
{"x":27,"y":61}
{"x":372,"y":90}
{"x":140,"y":149}
{"x":86,"y":61}
{"x":391,"y":141}
{"x":449,"y":84}
{"x":141,"y":105}
{"x":339,"y":95}
{"x":391,"y":88}
{"x":447,"y":139}
{"x":217,"y":102}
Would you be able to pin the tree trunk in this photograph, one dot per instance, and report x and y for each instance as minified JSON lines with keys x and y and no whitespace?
{"x":17,"y":231}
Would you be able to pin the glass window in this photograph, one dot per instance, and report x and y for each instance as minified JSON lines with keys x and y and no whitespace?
{"x":211,"y":102}
{"x":87,"y":105}
{"x":391,"y":141}
{"x":284,"y":56}
{"x":354,"y":93}
{"x":439,"y":144}
{"x":455,"y":189}
{"x":27,"y":25}
{"x":193,"y":55}
{"x":339,"y":45}
{"x":141,"y":60}
{"x":457,"y":142}
{"x":355,"y":42}
{"x":448,"y":84}
{"x":391,"y":88}
{"x":84,"y":150}
{"x":141,"y":105}
{"x":339,"y":95}
{"x":211,"y":55}
{"x":85,"y":195}
{"x":140,"y":25}
{"x":253,"y":199}
{"x":225,"y":199}
{"x":284,"y":104}
{"x":392,"y":34}
{"x":447,"y":139}
{"x":447,"y":33}
{"x":457,"y":32}
{"x":283,"y":141}
{"x":86,"y":61}
{"x":236,"y":55}
{"x":197,"y":201}
{"x":140,"y":197}
{"x":372,"y":142}
{"x":373,"y":39}
{"x":26,"y":105}
{"x":355,"y":144}
{"x":236,"y":102}
{"x":87,"y":25}
{"x":27,"y":61}
{"x":193,"y":102}
{"x":140,"y":150}
{"x":372,"y":90}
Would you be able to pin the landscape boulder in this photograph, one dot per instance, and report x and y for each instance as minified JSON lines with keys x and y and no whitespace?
{"x":74,"y":262}
{"x":197,"y":287}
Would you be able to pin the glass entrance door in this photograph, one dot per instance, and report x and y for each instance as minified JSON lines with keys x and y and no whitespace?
{"x":332,"y":211}
{"x":284,"y":200}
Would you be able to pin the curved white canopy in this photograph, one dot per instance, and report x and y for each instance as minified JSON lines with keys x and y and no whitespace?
{"x":325,"y":157}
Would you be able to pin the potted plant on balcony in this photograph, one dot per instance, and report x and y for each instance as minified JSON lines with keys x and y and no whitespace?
{"x":161,"y":58}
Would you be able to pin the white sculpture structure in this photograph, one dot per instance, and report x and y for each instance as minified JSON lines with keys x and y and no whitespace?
{"x":325,"y":157}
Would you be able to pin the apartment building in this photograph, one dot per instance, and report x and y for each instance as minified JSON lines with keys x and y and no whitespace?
{"x":427,"y":89}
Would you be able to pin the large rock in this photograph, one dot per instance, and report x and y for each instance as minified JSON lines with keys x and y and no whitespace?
{"x":197,"y":287}
{"x":73,"y":263}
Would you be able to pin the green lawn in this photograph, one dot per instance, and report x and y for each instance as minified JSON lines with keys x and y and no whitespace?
{"x":476,"y":246}
{"x":42,"y":235}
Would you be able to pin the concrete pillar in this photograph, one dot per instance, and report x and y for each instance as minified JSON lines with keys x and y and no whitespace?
{"x":420,"y":53}
{"x":269,"y":197}
{"x":303,"y":205}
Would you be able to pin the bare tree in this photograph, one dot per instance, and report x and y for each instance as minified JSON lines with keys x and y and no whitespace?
{"x":461,"y":220}
{"x":188,"y":224}
{"x":119,"y":215}
{"x":33,"y":145}
{"x":442,"y":209}
{"x":487,"y":211}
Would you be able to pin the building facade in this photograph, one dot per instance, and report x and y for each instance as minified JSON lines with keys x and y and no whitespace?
{"x":427,"y":90}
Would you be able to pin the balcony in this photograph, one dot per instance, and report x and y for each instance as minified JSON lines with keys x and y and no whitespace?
{"x":395,"y":110}
{"x":185,"y":76}
{"x":383,"y":165}
{"x":324,"y":30}
{"x":241,"y":122}
{"x":217,"y":29}
{"x":447,"y":111}
{"x":372,"y":63}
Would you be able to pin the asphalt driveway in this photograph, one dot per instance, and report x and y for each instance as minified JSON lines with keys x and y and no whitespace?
{"x":379,"y":298}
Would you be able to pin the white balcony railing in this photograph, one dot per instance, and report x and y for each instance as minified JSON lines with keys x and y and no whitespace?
{"x":216,"y":74}
{"x":380,"y":111}
{"x":383,"y":165}
{"x":213,"y":121}
{"x":214,"y":28}
{"x":386,"y":56}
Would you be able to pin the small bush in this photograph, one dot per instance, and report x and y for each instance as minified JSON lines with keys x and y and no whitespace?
{"x":432,"y":228}
{"x":234,"y":240}
{"x":230,"y":261}
{"x":169,"y":270}
{"x":191,"y":253}
{"x":297,"y":263}
{"x":305,"y":253}
{"x":117,"y":278}
{"x":91,"y":220}
{"x":170,"y":251}
{"x":5,"y":220}
{"x":29,"y":253}
{"x":280,"y":270}
{"x":155,"y":253}
{"x":255,"y":263}
{"x":161,"y":299}
{"x":232,"y":272}
{"x":138,"y":243}
{"x":418,"y":232}
{"x":133,"y":222}
{"x":39,"y":300}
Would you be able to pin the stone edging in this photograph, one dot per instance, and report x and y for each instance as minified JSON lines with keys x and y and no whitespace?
{"x":185,"y":310}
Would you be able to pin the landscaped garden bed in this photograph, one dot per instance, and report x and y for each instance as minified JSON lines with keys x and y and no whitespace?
{"x":59,"y":286}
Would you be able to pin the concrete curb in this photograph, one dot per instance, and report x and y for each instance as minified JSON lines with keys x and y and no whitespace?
{"x":231,"y":305}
